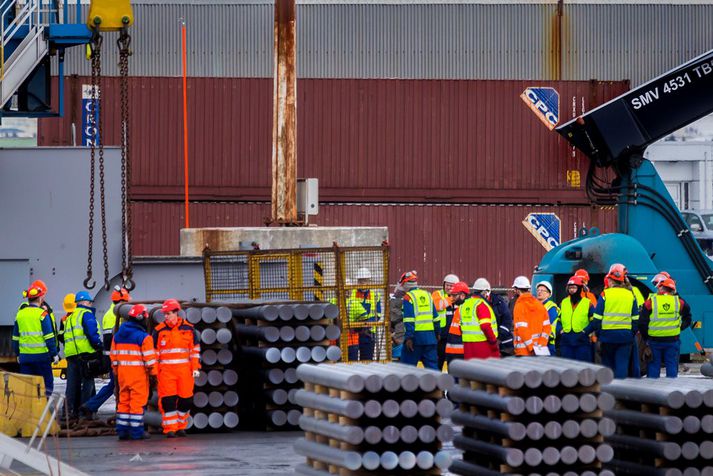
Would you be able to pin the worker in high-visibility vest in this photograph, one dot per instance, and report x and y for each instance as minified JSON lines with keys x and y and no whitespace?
{"x":576,"y":313}
{"x":585,"y":289}
{"x":479,"y":329}
{"x":544,"y":295}
{"x":421,"y":324}
{"x":33,"y":338}
{"x":454,"y":337}
{"x":92,"y":405}
{"x":615,"y":320}
{"x":363,"y":305}
{"x":444,"y":306}
{"x":663,"y":316}
{"x":503,"y":315}
{"x":531,"y":323}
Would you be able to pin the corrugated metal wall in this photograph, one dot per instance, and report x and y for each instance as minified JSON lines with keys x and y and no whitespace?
{"x":366,"y":140}
{"x":425,"y":40}
{"x":470,"y":241}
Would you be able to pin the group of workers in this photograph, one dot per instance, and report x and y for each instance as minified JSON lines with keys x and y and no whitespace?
{"x":459,"y":322}
{"x":136,"y":360}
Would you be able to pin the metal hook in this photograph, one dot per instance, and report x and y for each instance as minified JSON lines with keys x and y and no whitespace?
{"x":88,"y":281}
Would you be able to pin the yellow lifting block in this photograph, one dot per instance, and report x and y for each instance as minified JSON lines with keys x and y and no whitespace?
{"x":110,"y":15}
{"x":22,"y":401}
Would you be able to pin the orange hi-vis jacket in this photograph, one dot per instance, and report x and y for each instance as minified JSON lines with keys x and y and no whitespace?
{"x":531,"y":324}
{"x":178,"y":347}
{"x":454,"y":340}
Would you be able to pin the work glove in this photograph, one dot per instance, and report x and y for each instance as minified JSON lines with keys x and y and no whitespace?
{"x":196,"y":373}
{"x":646,"y":354}
{"x":409,"y":344}
{"x":55,"y":359}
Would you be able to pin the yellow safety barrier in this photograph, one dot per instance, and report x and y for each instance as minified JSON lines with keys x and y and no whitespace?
{"x":22,"y":401}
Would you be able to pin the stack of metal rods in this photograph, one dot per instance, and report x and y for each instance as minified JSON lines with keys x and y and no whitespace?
{"x":707,"y":367}
{"x":531,"y":415}
{"x":374,"y":418}
{"x":274,"y":339}
{"x":664,"y":426}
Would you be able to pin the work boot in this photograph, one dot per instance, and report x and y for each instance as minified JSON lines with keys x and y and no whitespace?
{"x":181,"y":433}
{"x":171,"y":434}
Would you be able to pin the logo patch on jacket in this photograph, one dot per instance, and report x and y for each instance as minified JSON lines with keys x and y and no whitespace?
{"x":666,"y":307}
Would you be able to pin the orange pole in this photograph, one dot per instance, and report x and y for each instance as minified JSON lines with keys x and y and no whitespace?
{"x":185,"y":122}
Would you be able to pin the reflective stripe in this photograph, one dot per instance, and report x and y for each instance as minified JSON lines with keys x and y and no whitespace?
{"x":174,"y":361}
{"x":129,"y":363}
{"x":172,"y":351}
{"x":150,"y":362}
{"x":173,"y":421}
{"x":32,"y":346}
{"x":106,"y":352}
{"x":170,"y":414}
{"x":107,"y":331}
{"x":125,"y":352}
{"x":136,"y":423}
{"x":31,"y":333}
{"x":521,"y":324}
{"x":136,"y":417}
{"x":148,"y":352}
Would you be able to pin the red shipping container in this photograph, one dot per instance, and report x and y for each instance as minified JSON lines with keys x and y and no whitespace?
{"x":469,"y":240}
{"x":373,"y":140}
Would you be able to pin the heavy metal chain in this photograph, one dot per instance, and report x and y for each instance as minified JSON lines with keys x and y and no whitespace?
{"x":124,"y":43}
{"x":102,"y":188}
{"x":89,"y":282}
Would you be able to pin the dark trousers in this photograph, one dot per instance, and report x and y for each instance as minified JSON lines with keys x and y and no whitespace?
{"x":365,"y":349}
{"x":80,"y":388}
{"x":102,"y":395}
{"x":428,"y":354}
{"x":442,"y":356}
{"x":44,"y":370}
{"x":666,"y":353}
{"x":581,"y":352}
{"x":617,"y":357}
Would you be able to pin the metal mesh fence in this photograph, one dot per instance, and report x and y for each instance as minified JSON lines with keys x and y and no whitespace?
{"x":355,"y":279}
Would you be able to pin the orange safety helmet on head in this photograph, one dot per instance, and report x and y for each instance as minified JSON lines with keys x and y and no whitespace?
{"x":120,"y":294}
{"x":668,"y":283}
{"x":460,"y":287}
{"x":38,"y":283}
{"x":576,"y":280}
{"x":34,"y":291}
{"x":408,"y":277}
{"x":582,"y":273}
{"x":617,"y":272}
{"x":170,"y":305}
{"x":138,"y":312}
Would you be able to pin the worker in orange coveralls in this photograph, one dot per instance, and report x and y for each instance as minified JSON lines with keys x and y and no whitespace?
{"x":178,"y":350}
{"x":133,"y":360}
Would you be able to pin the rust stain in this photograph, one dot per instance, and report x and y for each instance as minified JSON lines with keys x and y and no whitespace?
{"x":555,"y":51}
{"x":284,"y":133}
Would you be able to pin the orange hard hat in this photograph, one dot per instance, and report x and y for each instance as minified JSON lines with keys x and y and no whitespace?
{"x":617,"y":272}
{"x":576,"y":280}
{"x":140,"y":312}
{"x":668,"y":283}
{"x":408,"y":277}
{"x":460,"y":287}
{"x":170,"y":305}
{"x":582,"y":273}
{"x":33,"y":292}
{"x":120,"y":294}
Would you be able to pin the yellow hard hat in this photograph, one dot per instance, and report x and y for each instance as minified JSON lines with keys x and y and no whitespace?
{"x":69,"y":304}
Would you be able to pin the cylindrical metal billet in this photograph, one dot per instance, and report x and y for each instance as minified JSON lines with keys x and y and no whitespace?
{"x":332,"y":332}
{"x":409,"y":434}
{"x":373,"y":382}
{"x":427,"y":434}
{"x":391,"y":434}
{"x":200,"y":399}
{"x":424,"y":460}
{"x":606,"y":426}
{"x":510,"y":456}
{"x":302,"y":333}
{"x":444,"y":381}
{"x":570,"y":429}
{"x":193,"y":315}
{"x":639,"y":392}
{"x":569,"y":455}
{"x":288,"y":355}
{"x":301,"y":311}
{"x":346,"y":459}
{"x":689,"y":450}
{"x":407,"y":460}
{"x":535,"y":430}
{"x":467,"y":468}
{"x":621,"y":467}
{"x":605,"y":453}
{"x":534,"y":405}
{"x":215,"y":420}
{"x":389,"y":460}
{"x":303,"y":354}
{"x":390,"y":408}
{"x":230,"y":377}
{"x":605,"y":401}
{"x":444,"y":408}
{"x":691,"y":424}
{"x":215,"y":399}
{"x":319,"y":353}
{"x":707,"y":369}
{"x":267,"y":313}
{"x":224,"y":315}
{"x":513,"y":430}
{"x":215,"y":377}
{"x":200,"y":421}
{"x":268,"y":334}
{"x":426,"y":408}
{"x":481,"y":371}
{"x":427,"y":378}
{"x":287,"y":334}
{"x":324,"y":375}
{"x":587,"y":402}
{"x":293,"y":417}
{"x":531,"y":374}
{"x":702,"y":385}
{"x":316,"y":311}
{"x":276,"y":417}
{"x":291,"y":375}
{"x":230,"y":420}
{"x":510,"y":404}
{"x":223,"y":336}
{"x":706,"y":449}
{"x":271,"y":355}
{"x":208,"y":336}
{"x":444,"y":433}
{"x":665,"y":424}
{"x":285,"y":312}
{"x":570,"y":403}
{"x":209,"y":357}
{"x":553,"y":430}
{"x":202,"y":379}
{"x":371,"y":460}
{"x":533,"y":457}
{"x":334,"y":353}
{"x":409,"y":408}
{"x":278,"y":396}
{"x":550,"y":455}
{"x":372,"y":408}
{"x":209,"y":315}
{"x":372,"y":434}
{"x":443,"y":459}
{"x":291,"y":395}
{"x":707,"y":423}
{"x":349,"y":408}
{"x":331,"y":311}
{"x":317,"y":333}
{"x":552,"y":404}
{"x":587,"y":454}
{"x":231,"y":398}
{"x":662,"y":449}
{"x":225,"y":356}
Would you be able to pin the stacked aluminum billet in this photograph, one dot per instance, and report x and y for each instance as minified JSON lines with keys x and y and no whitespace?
{"x":531,"y":415}
{"x":274,"y":339}
{"x":664,"y":426}
{"x":373,"y":419}
{"x":707,"y":367}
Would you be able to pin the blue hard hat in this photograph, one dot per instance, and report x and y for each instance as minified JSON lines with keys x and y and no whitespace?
{"x":83,"y":296}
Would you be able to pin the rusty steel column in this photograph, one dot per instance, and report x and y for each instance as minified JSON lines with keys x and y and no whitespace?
{"x":284,"y":126}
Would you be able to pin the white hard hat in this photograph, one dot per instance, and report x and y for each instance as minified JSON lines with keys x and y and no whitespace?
{"x":521,"y":282}
{"x":451,"y":279}
{"x":481,"y":284}
{"x":363,"y":273}
{"x":546,"y":284}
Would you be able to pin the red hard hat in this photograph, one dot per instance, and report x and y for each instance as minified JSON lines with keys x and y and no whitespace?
{"x":139,"y":312}
{"x":120,"y":294}
{"x":668,"y":283}
{"x":460,"y":287}
{"x":582,"y":273}
{"x":576,"y":280}
{"x":170,"y":305}
{"x":38,"y":283}
{"x":408,"y":276}
{"x":617,"y":272}
{"x":34,"y":292}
